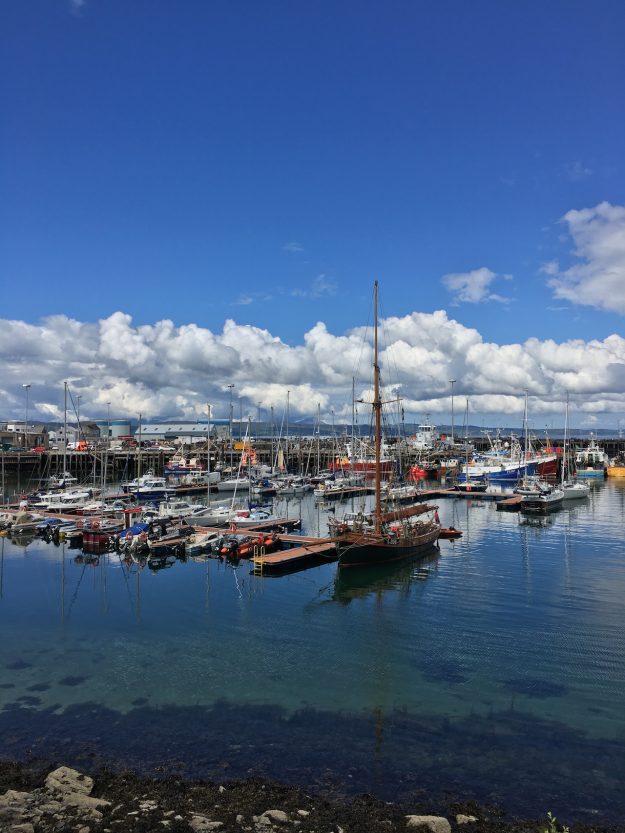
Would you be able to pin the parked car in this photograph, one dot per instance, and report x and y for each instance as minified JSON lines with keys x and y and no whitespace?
{"x":39,"y":449}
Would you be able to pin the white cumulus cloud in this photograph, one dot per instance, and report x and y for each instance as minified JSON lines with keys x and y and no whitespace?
{"x":473,"y":287}
{"x":597,"y":279}
{"x":161,"y":369}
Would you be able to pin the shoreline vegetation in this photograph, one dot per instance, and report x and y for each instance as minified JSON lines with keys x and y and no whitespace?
{"x":46,"y":798}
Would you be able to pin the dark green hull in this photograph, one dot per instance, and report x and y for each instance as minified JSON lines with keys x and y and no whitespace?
{"x":364,"y":551}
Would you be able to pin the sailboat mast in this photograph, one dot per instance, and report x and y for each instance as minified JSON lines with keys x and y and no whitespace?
{"x":318,"y":437}
{"x":139,"y":454}
{"x":466,"y":441}
{"x":377,"y":408}
{"x":288,"y":407}
{"x":353,"y":454}
{"x":65,"y":431}
{"x":208,"y":456}
{"x":566,"y":430}
{"x":525,"y":438}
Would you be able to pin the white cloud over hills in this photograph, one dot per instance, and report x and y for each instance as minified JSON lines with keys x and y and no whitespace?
{"x":163,"y":369}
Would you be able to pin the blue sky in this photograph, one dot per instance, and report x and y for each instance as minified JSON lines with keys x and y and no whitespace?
{"x":265,"y":162}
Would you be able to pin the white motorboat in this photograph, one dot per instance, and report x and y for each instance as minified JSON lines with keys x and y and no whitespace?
{"x":200,"y":542}
{"x":67,"y":501}
{"x":177,"y":508}
{"x":136,"y":483}
{"x":251,"y":517}
{"x":339,"y":486}
{"x":400,"y":494}
{"x":293,"y":486}
{"x":545,"y":499}
{"x":154,"y":487}
{"x":212,"y":516}
{"x":61,"y":481}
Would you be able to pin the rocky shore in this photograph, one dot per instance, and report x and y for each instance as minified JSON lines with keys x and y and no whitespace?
{"x":43,"y":800}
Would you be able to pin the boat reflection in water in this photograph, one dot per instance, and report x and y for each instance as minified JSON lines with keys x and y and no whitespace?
{"x":378,"y":579}
{"x":536,"y":520}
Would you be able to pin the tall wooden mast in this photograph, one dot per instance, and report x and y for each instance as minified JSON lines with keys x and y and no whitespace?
{"x":377,"y":409}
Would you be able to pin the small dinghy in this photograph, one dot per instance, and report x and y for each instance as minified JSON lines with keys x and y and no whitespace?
{"x":450,"y":532}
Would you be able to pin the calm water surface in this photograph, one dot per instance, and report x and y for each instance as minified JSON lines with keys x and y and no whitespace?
{"x":493,"y":669}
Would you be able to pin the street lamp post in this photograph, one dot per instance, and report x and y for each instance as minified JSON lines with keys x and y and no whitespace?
{"x":78,"y":398}
{"x":452,"y":382}
{"x":108,"y":424}
{"x":27,"y":387}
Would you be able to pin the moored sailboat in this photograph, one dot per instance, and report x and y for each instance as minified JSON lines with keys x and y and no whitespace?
{"x":571,"y":489}
{"x":393,"y":536}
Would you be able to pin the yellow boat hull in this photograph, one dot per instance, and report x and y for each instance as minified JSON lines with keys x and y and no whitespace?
{"x":616,"y":471}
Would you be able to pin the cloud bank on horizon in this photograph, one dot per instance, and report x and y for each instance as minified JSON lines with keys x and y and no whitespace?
{"x":160,"y":368}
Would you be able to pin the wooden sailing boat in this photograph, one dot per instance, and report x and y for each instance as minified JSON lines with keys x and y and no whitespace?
{"x":394,"y":535}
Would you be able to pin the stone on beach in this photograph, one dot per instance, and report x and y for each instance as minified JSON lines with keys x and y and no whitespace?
{"x":201,"y":823}
{"x":275,"y":815}
{"x":65,"y":780}
{"x":431,"y":824}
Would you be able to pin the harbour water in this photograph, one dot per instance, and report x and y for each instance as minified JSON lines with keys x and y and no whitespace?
{"x":493,"y":669}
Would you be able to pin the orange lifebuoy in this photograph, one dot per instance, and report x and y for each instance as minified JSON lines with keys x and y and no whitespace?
{"x":129,"y":537}
{"x":95,"y":525}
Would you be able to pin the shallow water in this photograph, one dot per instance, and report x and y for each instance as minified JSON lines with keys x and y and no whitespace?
{"x":492,"y":669}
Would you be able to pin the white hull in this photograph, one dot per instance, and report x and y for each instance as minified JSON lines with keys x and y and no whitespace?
{"x":230,"y":485}
{"x":574,"y":491}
